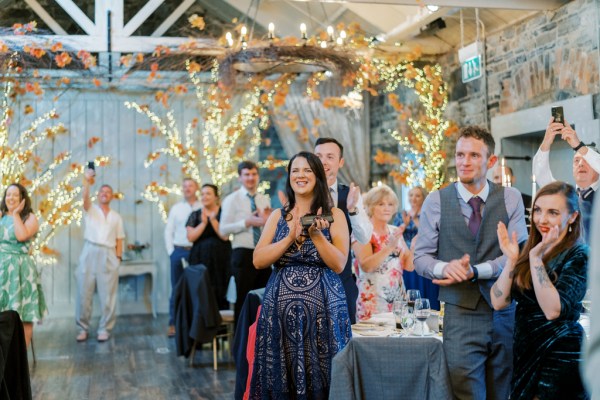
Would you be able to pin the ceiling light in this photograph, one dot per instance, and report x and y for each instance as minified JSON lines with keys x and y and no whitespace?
{"x":432,"y":8}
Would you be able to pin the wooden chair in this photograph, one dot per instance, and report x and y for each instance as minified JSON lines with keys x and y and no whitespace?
{"x":227,"y":317}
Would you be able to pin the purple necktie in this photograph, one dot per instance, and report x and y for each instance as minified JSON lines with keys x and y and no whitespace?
{"x":475,"y":220}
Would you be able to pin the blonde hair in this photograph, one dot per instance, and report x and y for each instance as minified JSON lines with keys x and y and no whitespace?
{"x":421,"y":189}
{"x":377,"y":194}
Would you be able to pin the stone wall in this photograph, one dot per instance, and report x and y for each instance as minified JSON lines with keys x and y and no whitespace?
{"x":548,"y":57}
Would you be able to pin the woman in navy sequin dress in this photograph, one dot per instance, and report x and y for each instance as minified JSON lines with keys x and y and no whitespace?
{"x":548,"y":281}
{"x":304,"y":318}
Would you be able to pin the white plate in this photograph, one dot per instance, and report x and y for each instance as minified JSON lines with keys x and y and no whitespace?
{"x":373,"y":333}
{"x":418,"y":334}
{"x":367,"y":327}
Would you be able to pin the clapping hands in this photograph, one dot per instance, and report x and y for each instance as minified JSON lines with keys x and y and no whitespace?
{"x":393,"y":241}
{"x":549,"y":240}
{"x":455,"y":271}
{"x":353,"y":196}
{"x":508,"y":243}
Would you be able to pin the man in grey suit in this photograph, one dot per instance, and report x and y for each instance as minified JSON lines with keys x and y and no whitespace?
{"x":457,"y":247}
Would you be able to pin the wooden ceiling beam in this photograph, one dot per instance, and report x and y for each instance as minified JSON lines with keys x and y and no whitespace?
{"x":538,"y":5}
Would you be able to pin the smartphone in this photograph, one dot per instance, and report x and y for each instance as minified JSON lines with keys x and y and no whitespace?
{"x":558,"y":114}
{"x":91,"y":165}
{"x":308,"y":220}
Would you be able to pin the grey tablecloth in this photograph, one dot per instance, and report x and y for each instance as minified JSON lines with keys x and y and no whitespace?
{"x":390,"y":368}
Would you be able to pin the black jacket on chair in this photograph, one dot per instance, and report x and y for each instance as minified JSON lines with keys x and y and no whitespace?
{"x":14,"y":368}
{"x":197,"y":316}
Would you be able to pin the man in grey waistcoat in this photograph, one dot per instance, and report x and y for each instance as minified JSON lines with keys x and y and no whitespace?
{"x":457,"y":247}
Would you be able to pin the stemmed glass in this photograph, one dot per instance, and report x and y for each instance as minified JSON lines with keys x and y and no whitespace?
{"x":422,"y":312}
{"x":412,"y":295}
{"x":398,"y":306}
{"x":408,"y":318}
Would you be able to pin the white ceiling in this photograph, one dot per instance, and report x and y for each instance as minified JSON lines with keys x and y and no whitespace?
{"x":401,"y":22}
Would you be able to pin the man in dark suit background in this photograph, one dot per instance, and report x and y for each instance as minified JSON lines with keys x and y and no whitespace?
{"x":508,"y":174}
{"x":349,"y":200}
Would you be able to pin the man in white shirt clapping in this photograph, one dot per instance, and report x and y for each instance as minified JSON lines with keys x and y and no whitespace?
{"x":176,"y":241}
{"x":243,"y":215}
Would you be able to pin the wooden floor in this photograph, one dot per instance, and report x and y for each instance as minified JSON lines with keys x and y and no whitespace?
{"x":138,"y":362}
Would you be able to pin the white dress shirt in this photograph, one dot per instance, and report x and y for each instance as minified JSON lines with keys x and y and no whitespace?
{"x":362,"y":229}
{"x":102,"y":230}
{"x":543,"y":175}
{"x":234,"y":211}
{"x":176,"y":231}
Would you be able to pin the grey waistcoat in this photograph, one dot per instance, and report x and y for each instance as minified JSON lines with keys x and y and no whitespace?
{"x":455,"y":240}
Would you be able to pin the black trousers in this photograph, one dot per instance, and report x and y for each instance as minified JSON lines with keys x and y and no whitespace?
{"x":247,"y":277}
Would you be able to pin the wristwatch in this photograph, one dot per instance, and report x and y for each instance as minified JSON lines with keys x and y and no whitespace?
{"x":580,"y":145}
{"x":353,"y":213}
{"x":475,"y":274}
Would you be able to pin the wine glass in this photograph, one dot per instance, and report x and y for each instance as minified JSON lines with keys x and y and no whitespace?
{"x":408,"y":318}
{"x":399,"y":304}
{"x":412,"y":295}
{"x":422,"y":312}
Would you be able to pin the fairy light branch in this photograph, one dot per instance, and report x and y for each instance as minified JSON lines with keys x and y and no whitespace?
{"x":228,"y":136}
{"x":58,"y":205}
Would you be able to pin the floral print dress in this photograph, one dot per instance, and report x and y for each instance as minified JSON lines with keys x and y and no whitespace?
{"x":378,"y":289}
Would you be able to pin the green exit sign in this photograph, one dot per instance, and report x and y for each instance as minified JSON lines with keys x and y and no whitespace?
{"x":471,"y":69}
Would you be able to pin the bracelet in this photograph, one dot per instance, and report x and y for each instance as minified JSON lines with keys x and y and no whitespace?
{"x":580,"y":145}
{"x":353,"y":213}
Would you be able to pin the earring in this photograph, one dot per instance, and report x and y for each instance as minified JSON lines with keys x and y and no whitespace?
{"x":569,"y":227}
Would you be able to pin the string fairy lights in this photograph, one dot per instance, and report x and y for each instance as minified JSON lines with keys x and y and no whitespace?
{"x":54,"y":197}
{"x":227,"y":137}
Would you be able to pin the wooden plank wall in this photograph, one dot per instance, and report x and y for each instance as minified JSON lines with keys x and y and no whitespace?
{"x":102,"y":113}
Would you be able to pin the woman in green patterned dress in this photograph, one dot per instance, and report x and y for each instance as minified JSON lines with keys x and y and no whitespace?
{"x":20,"y":286}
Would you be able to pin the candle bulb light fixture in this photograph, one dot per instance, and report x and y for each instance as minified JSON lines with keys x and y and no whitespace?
{"x":244,"y":36}
{"x":503,"y":171}
{"x":303,"y":31}
{"x":271,"y":34}
{"x":533,"y":192}
{"x":229,"y":39}
{"x":330,"y":33}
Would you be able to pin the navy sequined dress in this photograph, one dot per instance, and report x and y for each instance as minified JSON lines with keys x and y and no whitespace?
{"x":547,"y":354}
{"x":303,"y":323}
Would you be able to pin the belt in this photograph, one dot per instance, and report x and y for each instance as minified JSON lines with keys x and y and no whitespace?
{"x":188,"y":248}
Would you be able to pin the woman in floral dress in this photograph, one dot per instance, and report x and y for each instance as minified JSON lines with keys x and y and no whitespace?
{"x":383,"y":260}
{"x":20,"y":286}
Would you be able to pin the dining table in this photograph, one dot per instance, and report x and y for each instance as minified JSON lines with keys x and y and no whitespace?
{"x":379,"y":363}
